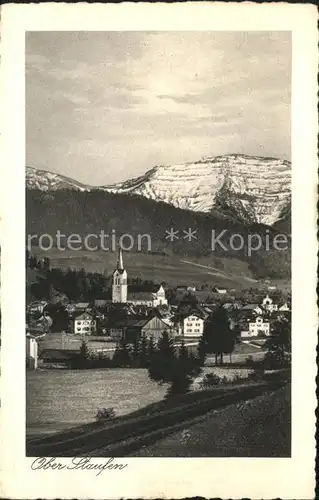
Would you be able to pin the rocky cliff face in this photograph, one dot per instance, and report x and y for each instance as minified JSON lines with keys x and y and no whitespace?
{"x":250,"y":189}
{"x":245,"y":188}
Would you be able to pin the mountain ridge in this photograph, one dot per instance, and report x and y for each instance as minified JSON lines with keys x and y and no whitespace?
{"x":250,"y":189}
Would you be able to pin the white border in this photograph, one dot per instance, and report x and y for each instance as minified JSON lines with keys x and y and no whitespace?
{"x":162,"y":478}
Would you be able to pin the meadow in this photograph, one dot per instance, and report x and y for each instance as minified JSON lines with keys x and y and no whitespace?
{"x":171,"y":269}
{"x":60,"y":399}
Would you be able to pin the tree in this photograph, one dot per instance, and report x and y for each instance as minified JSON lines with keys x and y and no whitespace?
{"x":135,"y":353}
{"x":143,"y":352}
{"x":162,"y":362}
{"x":177,"y":369}
{"x":122,"y":355}
{"x":151,"y":349}
{"x":201,"y":351}
{"x":184,"y":369}
{"x":229,"y":342}
{"x":84,"y":354}
{"x":279,"y":344}
{"x":217,"y":337}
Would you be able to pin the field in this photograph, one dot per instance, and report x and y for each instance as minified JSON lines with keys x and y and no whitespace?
{"x":60,"y":399}
{"x":172,"y":269}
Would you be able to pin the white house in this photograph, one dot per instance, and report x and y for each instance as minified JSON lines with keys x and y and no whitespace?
{"x":256,"y":327}
{"x":84,"y":324}
{"x":31,"y":352}
{"x":269,"y":305}
{"x":37,"y":306}
{"x":191,"y":325}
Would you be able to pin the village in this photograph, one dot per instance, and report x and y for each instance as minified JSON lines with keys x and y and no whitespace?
{"x":54,"y":333}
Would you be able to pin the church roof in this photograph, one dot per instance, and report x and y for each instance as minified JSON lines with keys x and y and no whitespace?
{"x":131,"y":296}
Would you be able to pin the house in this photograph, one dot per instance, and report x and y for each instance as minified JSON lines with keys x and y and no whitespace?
{"x":190,"y":325}
{"x":228,"y":306}
{"x":37,"y":307}
{"x":256,"y":328}
{"x":219,"y":290}
{"x":31,"y":352}
{"x":84,"y":323}
{"x":284,"y":307}
{"x":252,"y":308}
{"x":101,"y":303}
{"x":131,"y":329}
{"x":268,"y":304}
{"x":81,"y":306}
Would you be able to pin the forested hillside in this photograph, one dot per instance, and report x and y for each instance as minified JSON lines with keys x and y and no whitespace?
{"x":76,"y":212}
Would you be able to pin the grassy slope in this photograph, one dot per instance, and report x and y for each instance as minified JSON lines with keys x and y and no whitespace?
{"x":231,"y":272}
{"x":255,"y":428}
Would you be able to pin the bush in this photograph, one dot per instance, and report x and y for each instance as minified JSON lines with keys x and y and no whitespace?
{"x":257,"y":375}
{"x":211,"y":379}
{"x":104,"y":414}
{"x":249,"y":361}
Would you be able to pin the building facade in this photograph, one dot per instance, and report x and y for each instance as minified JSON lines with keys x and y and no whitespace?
{"x":256,"y":328}
{"x":268,"y":304}
{"x":31,"y":353}
{"x":84,"y":324}
{"x":191,"y":325}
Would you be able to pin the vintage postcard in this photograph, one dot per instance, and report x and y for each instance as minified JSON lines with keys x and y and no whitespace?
{"x":158,"y":250}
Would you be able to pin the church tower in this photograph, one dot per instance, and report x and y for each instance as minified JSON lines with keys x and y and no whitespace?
{"x":119,"y":286}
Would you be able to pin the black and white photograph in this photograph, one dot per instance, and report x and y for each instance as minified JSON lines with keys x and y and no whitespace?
{"x":158,"y":251}
{"x":158,"y":201}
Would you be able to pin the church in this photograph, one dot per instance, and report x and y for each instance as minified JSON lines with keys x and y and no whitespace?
{"x":120,"y":294}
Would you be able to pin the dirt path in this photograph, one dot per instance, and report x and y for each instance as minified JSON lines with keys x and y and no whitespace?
{"x":218,"y":272}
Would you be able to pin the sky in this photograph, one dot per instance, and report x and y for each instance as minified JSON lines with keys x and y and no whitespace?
{"x":103,"y":107}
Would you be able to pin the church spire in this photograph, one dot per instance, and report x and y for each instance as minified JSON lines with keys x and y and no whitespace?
{"x":120,"y":265}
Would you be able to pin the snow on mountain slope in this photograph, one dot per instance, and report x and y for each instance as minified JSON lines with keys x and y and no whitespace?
{"x":46,"y":181}
{"x":246,"y":188}
{"x":249,"y":188}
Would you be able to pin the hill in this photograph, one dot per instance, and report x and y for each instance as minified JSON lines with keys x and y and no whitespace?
{"x":88,"y":212}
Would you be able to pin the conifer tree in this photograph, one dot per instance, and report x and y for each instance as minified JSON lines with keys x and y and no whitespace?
{"x":143,"y":352}
{"x":162,"y":363}
{"x":84,"y":354}
{"x":122,"y":355}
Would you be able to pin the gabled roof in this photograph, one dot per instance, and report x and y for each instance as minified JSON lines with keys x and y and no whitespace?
{"x":81,"y":305}
{"x":249,"y":307}
{"x":84,"y":315}
{"x":101,"y":302}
